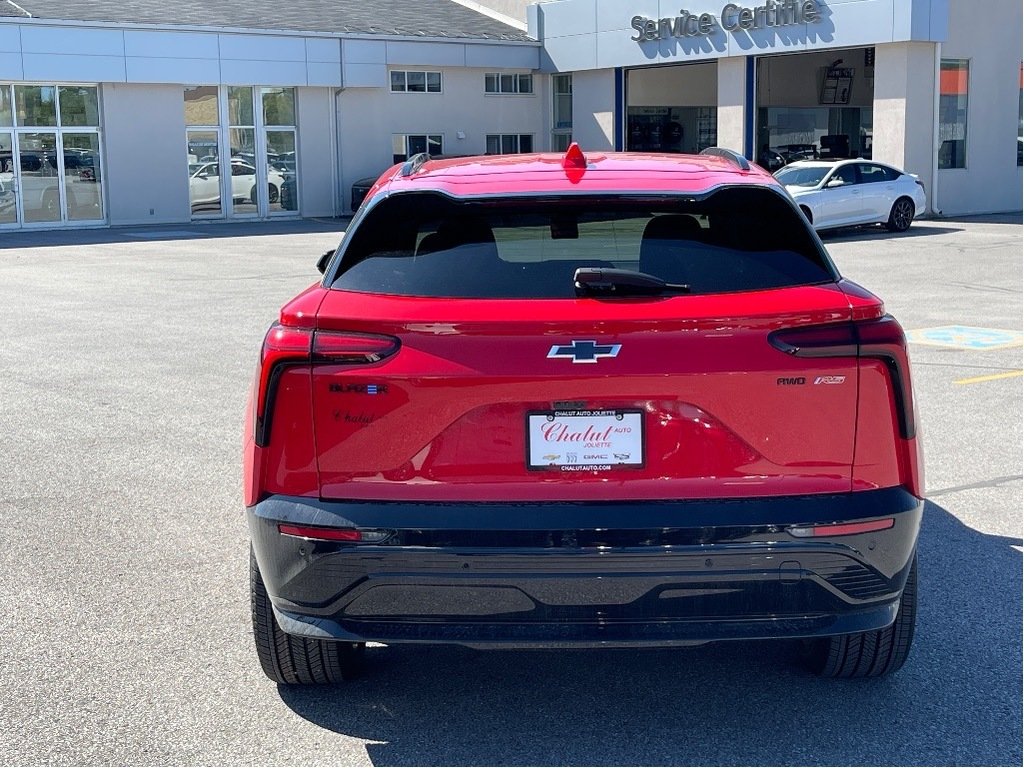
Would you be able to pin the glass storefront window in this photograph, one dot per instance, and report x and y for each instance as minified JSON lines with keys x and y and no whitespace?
{"x":6,"y":112}
{"x":201,"y":105}
{"x":243,"y":143}
{"x":787,"y":134}
{"x":79,"y":106}
{"x":8,"y":198}
{"x":953,"y":86}
{"x":203,"y":173}
{"x":282,"y":171}
{"x":36,"y":105}
{"x":244,"y":192}
{"x":51,"y":168}
{"x":240,"y":110}
{"x":1020,"y":116}
{"x":83,"y":177}
{"x":245,"y":163}
{"x":672,"y":129}
{"x":278,"y":106}
{"x":40,"y":182}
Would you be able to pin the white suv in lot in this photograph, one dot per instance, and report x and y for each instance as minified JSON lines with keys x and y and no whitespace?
{"x":854,"y":192}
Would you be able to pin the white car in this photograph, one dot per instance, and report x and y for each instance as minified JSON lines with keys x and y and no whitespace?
{"x":204,"y":183}
{"x":852,"y":192}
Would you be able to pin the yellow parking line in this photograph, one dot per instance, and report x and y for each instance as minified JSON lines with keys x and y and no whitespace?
{"x":991,"y":377}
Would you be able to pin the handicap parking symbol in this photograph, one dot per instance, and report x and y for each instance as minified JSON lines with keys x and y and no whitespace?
{"x":966,"y":337}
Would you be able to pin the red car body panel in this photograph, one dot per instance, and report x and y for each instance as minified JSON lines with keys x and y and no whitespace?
{"x":723,"y":417}
{"x":695,"y":365}
{"x":744,"y":457}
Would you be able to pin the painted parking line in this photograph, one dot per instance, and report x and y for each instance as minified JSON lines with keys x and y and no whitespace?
{"x":991,"y":377}
{"x":966,"y":337}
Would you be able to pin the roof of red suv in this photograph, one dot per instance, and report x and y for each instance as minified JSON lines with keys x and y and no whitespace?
{"x":572,"y":172}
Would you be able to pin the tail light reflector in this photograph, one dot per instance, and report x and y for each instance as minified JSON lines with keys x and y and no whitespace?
{"x":324,"y":533}
{"x":880,"y":339}
{"x":841,"y":529}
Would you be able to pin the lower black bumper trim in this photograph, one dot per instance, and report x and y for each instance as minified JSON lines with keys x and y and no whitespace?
{"x":587,"y":574}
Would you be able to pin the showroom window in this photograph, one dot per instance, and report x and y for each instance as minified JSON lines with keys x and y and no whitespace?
{"x":561,"y":134}
{"x":954,"y":82}
{"x":50,"y":154}
{"x":415,"y":82}
{"x":202,"y":144}
{"x":241,"y":150}
{"x":496,"y":82}
{"x":1020,"y":115}
{"x":671,"y":129}
{"x":405,"y":145}
{"x":509,"y":143}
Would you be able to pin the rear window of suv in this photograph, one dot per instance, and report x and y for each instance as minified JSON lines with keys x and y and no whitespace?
{"x":429,"y":244}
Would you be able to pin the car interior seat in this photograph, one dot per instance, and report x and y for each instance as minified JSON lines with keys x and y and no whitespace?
{"x":460,"y":258}
{"x":669,"y":244}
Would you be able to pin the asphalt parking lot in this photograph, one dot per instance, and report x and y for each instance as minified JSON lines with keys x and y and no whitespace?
{"x":124,"y":366}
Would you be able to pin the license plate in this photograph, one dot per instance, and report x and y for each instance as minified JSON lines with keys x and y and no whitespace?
{"x":579,"y":441}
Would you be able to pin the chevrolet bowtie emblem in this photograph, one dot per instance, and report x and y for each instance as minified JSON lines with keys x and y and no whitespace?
{"x":584,"y":351}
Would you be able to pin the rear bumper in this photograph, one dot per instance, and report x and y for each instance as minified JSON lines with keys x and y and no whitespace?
{"x":587,"y":574}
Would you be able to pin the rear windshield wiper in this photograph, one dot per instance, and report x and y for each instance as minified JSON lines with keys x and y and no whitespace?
{"x":622,"y":282}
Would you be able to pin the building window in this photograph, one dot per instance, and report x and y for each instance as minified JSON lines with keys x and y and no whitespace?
{"x":415,"y":82}
{"x":241,"y":150}
{"x":509,"y":143}
{"x":53,"y":131}
{"x":561,"y":133}
{"x":1020,"y":115}
{"x":495,"y":82}
{"x":686,"y":130}
{"x":405,"y":145}
{"x":953,"y":86}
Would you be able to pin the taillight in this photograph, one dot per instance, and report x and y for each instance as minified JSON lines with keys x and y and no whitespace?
{"x":352,"y":348}
{"x":282,"y":347}
{"x":880,"y":339}
{"x":324,"y":533}
{"x":883,"y":340}
{"x":838,"y":340}
{"x":285,"y":346}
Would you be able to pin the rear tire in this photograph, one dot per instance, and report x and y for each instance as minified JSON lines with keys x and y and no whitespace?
{"x":296,"y":660}
{"x":808,"y":214}
{"x":901,"y":216}
{"x":869,"y":654}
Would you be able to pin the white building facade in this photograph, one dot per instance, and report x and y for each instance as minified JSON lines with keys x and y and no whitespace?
{"x":170,"y":118}
{"x":127,"y":123}
{"x":930,"y":86}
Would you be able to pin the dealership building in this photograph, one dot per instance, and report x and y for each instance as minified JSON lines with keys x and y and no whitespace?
{"x":121,"y":114}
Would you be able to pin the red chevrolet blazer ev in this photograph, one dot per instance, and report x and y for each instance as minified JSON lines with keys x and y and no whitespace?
{"x":582,"y":400}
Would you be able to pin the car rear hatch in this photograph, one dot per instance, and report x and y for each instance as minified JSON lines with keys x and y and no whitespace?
{"x":466,"y":394}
